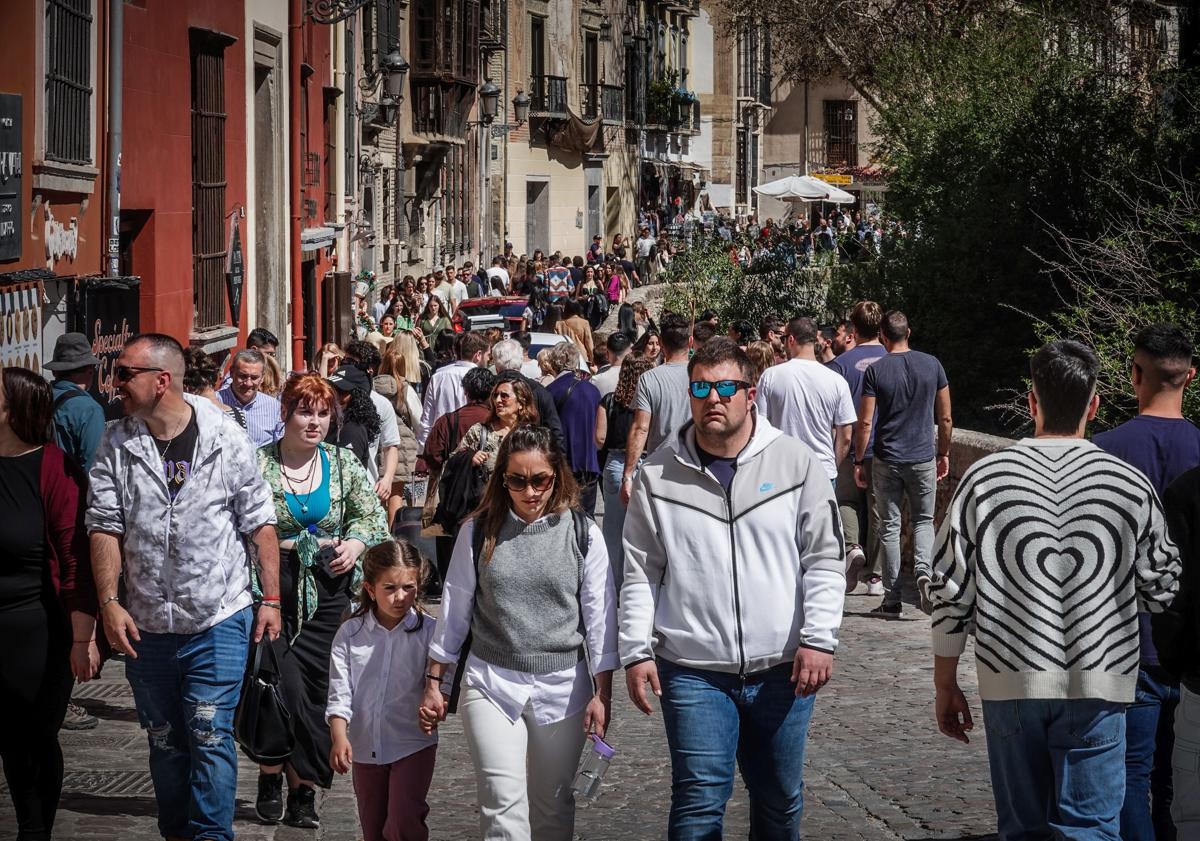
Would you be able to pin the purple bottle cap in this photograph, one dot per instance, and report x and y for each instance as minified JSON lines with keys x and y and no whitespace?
{"x":602,"y":747}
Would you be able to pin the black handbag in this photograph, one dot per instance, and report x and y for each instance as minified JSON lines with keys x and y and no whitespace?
{"x":262,"y":725}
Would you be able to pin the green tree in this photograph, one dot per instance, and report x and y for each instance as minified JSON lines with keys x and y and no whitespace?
{"x":999,"y":149}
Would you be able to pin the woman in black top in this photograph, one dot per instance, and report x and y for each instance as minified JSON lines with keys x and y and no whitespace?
{"x":47,"y":600}
{"x":614,"y":417}
{"x":358,"y":423}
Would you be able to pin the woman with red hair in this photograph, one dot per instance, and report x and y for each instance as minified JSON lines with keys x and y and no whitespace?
{"x":327,"y":514}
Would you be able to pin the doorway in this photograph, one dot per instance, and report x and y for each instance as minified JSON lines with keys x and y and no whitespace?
{"x":537,"y":216}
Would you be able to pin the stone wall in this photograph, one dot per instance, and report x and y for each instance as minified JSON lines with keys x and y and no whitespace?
{"x":966,"y":448}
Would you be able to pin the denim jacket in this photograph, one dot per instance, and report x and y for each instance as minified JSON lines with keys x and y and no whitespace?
{"x":185,"y":561}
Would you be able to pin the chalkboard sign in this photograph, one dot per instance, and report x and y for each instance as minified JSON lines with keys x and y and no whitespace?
{"x":11,"y":167}
{"x":235,"y":273}
{"x":107,"y":311}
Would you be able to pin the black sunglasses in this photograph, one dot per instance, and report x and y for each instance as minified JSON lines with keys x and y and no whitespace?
{"x":540,"y":482}
{"x":125,"y":373}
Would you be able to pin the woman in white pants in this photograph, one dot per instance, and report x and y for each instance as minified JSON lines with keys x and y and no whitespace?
{"x":531,"y":583}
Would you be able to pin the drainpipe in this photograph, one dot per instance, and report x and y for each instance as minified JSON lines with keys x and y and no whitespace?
{"x":295,"y":22}
{"x":116,"y":47}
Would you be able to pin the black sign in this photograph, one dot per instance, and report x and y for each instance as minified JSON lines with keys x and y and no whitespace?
{"x":11,"y":167}
{"x":107,"y":311}
{"x":235,"y":274}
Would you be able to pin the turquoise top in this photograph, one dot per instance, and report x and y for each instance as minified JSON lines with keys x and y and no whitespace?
{"x":317,"y":501}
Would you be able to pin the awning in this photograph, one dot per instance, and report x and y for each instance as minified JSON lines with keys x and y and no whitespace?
{"x":314,"y":239}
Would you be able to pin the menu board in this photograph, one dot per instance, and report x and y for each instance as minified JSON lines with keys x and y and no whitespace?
{"x":21,"y":326}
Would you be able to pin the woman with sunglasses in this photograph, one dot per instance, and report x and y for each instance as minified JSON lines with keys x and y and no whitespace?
{"x":543,"y":622}
{"x":47,"y":599}
{"x":512,"y":405}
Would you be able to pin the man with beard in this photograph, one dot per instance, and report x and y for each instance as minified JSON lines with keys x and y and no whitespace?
{"x":738,"y":637}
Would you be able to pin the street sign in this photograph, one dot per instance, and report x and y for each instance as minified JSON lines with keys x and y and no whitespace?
{"x":11,"y":166}
{"x":235,"y":273}
{"x":834,"y":179}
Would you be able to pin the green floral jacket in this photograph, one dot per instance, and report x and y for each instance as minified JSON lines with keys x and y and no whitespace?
{"x":354,"y":512}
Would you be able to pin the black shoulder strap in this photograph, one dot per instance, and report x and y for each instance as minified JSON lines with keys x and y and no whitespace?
{"x":582,"y":525}
{"x":452,"y":435}
{"x":559,"y":402}
{"x":67,"y":395}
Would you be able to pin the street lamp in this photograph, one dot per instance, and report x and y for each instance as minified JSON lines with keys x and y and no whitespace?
{"x":489,"y":102}
{"x":520,"y":105}
{"x":395,"y":68}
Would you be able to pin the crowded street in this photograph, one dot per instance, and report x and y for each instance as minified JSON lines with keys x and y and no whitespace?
{"x":874,"y":715}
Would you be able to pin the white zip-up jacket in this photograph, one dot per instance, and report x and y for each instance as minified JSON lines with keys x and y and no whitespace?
{"x":732,"y":583}
{"x":185,"y":561}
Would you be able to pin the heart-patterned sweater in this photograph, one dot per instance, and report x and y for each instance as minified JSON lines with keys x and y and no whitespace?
{"x":1048,"y":550}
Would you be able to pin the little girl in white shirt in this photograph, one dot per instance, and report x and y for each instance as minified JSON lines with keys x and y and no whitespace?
{"x":376,"y":683}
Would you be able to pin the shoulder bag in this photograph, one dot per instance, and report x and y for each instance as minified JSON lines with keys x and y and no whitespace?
{"x":262,"y":725}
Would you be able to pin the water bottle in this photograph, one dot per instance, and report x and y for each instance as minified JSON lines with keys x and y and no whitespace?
{"x":595,"y":763}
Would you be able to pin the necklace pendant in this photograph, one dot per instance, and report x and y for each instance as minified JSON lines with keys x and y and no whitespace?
{"x":303,"y":509}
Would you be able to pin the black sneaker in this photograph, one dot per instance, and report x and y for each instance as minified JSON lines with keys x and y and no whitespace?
{"x":886,"y":611}
{"x":269,"y":803}
{"x":302,"y":808}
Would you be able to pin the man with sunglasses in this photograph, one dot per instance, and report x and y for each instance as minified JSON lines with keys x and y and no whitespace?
{"x":175,"y":495}
{"x":732,"y":600}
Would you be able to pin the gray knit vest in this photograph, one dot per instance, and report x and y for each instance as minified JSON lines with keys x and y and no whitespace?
{"x":527,"y":616}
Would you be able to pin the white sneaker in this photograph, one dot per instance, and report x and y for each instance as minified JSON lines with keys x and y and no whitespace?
{"x":856,"y":559}
{"x":875,"y":586}
{"x":923,"y":582}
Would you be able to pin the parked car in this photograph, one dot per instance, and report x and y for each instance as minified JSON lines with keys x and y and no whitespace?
{"x":493,"y":311}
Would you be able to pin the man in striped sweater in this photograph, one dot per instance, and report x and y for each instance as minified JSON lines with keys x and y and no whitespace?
{"x":1048,"y":551}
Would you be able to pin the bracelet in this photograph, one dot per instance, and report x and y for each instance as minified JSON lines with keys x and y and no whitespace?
{"x":112,"y":598}
{"x":270,"y":600}
{"x":272,"y":605}
{"x":943,"y":455}
{"x":84,"y":642}
{"x":433,"y":677}
{"x":859,"y":462}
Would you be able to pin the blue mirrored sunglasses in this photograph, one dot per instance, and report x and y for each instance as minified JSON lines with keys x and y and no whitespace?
{"x":725,"y":388}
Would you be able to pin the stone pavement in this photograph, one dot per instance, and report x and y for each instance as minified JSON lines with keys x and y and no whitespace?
{"x":877,"y":768}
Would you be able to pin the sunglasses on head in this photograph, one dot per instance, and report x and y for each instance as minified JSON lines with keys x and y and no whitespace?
{"x":540,"y":482}
{"x":725,"y":388}
{"x":125,"y":373}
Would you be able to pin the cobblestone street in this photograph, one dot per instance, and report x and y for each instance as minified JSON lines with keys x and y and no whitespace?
{"x":877,"y":768}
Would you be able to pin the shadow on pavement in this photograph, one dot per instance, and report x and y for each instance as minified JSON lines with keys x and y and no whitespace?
{"x":94,"y":804}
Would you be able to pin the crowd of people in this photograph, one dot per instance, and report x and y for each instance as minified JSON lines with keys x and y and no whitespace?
{"x":752,"y":478}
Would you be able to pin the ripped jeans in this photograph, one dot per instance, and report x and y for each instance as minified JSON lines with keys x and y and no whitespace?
{"x":186,"y":689}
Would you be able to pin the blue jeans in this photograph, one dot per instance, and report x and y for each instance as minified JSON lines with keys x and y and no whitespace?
{"x":715,"y":718}
{"x":891,"y":483}
{"x":186,"y":689}
{"x":1058,"y":768}
{"x":614,"y":514}
{"x":1149,"y":741}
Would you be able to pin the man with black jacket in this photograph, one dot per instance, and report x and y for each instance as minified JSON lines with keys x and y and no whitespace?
{"x":1177,"y":638}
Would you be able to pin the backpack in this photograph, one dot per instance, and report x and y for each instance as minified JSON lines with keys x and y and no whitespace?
{"x":581,"y":522}
{"x":461,"y":487}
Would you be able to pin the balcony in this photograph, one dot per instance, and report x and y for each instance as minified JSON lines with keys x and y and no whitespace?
{"x":613,"y":103}
{"x":493,"y":25}
{"x":548,"y":96}
{"x":437,"y":111}
{"x":589,"y":101}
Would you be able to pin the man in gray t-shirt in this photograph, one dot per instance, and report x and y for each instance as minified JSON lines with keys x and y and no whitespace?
{"x":662,"y":405}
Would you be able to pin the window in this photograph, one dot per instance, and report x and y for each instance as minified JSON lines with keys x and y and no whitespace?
{"x":69,"y":81}
{"x":741,"y":161}
{"x":208,"y":181}
{"x":841,"y":138}
{"x":537,"y":46}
